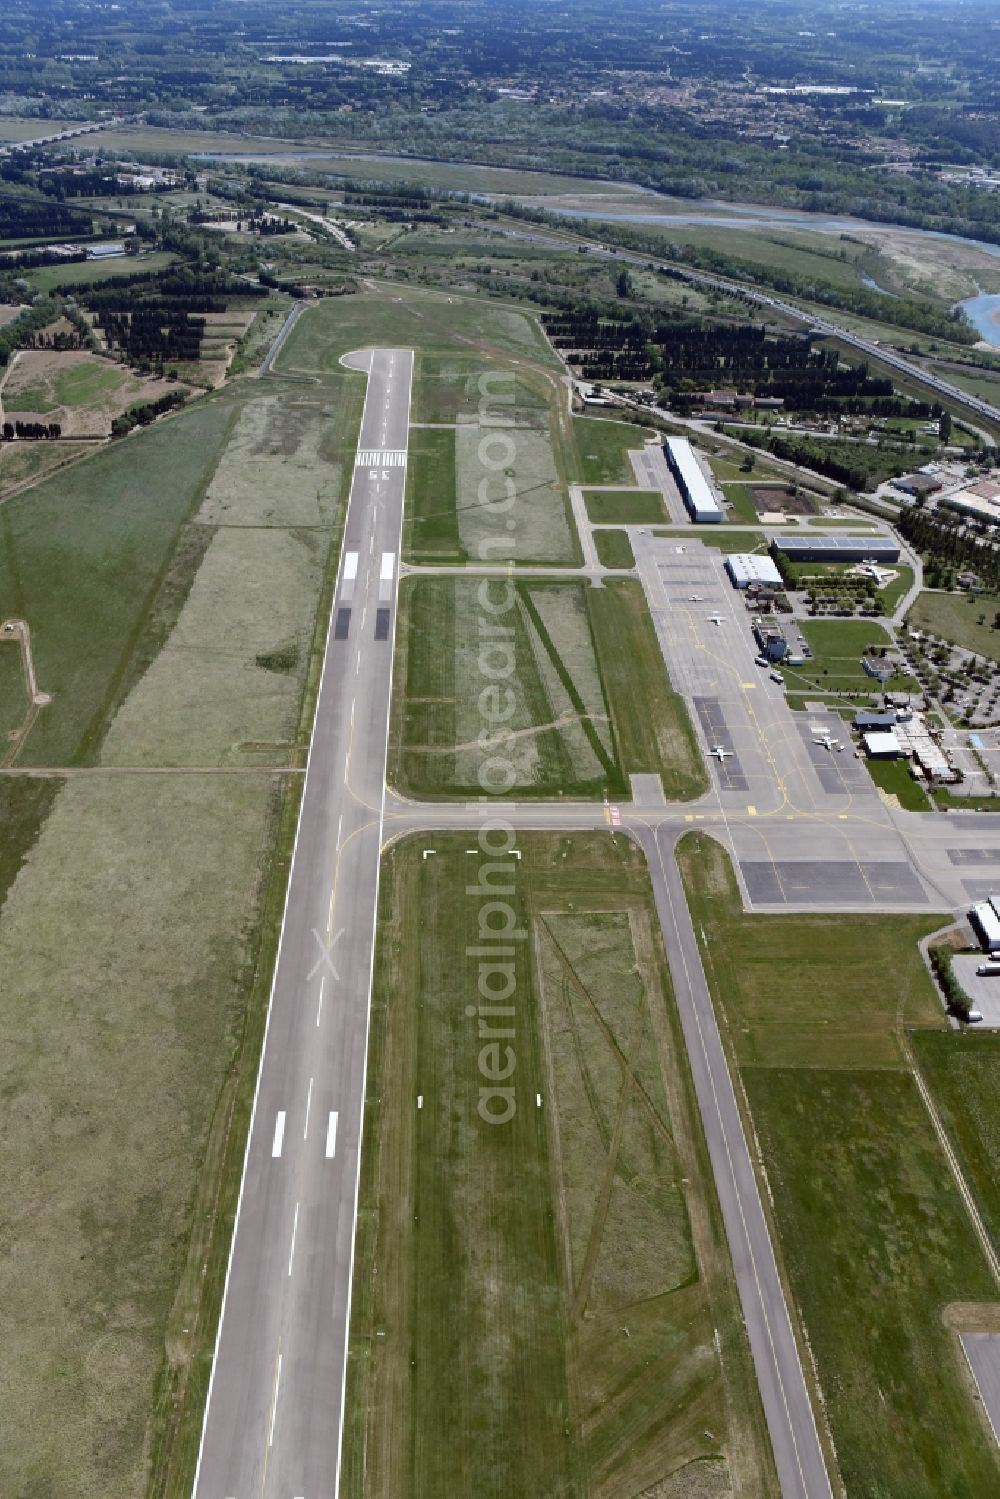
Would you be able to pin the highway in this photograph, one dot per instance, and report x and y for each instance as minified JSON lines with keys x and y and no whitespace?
{"x":275,"y":1403}
{"x":751,"y":294}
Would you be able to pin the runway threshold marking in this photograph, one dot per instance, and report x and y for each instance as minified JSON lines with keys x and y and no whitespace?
{"x":279,"y":1133}
{"x":331,"y":1136}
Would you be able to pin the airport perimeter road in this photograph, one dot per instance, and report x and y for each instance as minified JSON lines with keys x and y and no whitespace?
{"x":275,"y":1404}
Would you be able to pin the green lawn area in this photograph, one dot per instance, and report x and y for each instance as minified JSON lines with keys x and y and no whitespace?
{"x":614,"y":549}
{"x":891,"y":595}
{"x":871,"y":1230}
{"x":512,"y":1255}
{"x":740,"y":499}
{"x":956,"y":617}
{"x":589,"y":701}
{"x":625,"y":507}
{"x":837,"y":646}
{"x":894,"y":776}
{"x":430,"y":530}
{"x":963,"y":1073}
{"x":603,"y":446}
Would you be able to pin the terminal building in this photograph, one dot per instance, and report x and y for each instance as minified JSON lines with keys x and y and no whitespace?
{"x":837,"y":548}
{"x":745,"y":568}
{"x":696,"y":492}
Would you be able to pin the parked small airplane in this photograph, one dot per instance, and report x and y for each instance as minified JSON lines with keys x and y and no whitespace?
{"x":716,"y":619}
{"x":828,"y":743}
{"x":720,"y":752}
{"x":696,"y":598}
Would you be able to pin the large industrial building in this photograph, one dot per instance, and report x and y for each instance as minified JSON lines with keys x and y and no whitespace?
{"x":837,"y":548}
{"x":745,"y":568}
{"x":696,"y":492}
{"x":985,"y":918}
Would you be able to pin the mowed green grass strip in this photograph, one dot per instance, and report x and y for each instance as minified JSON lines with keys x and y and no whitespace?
{"x":614,"y":549}
{"x":873,"y":1235}
{"x":963,"y":618}
{"x":590,"y":701}
{"x":625,"y":507}
{"x":430,"y":528}
{"x":538,"y":1320}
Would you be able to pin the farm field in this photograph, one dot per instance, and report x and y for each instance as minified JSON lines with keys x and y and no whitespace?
{"x":603,"y":447}
{"x":965,"y":619}
{"x":26,"y":462}
{"x":582,"y":660}
{"x":625,"y":507}
{"x":537,"y":1241}
{"x":866,"y":1211}
{"x":80,"y":391}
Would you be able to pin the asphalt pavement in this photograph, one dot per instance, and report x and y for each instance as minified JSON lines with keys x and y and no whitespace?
{"x":805,"y":831}
{"x":276,"y":1400}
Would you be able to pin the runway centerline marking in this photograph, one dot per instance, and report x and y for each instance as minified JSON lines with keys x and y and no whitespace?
{"x":274,"y":1402}
{"x":279,"y":1133}
{"x":331,"y":1136}
{"x":295,"y":1226}
{"x":309,"y":1099}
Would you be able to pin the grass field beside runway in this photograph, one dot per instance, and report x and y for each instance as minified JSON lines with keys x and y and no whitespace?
{"x":127,"y":941}
{"x":590,"y":698}
{"x":603,"y":446}
{"x":540,"y":1319}
{"x":14,"y":700}
{"x":173,"y":585}
{"x":398,"y":316}
{"x":963,"y":1073}
{"x":104,"y":563}
{"x":866,"y":1211}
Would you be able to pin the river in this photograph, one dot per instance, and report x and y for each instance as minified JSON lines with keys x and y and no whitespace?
{"x":983,"y":311}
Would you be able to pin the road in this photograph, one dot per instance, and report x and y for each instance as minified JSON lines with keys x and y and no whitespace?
{"x":275,"y":1403}
{"x":278,"y":343}
{"x":868,"y":347}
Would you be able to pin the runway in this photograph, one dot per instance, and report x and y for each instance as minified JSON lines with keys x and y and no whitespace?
{"x":806,"y":831}
{"x":275,"y":1405}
